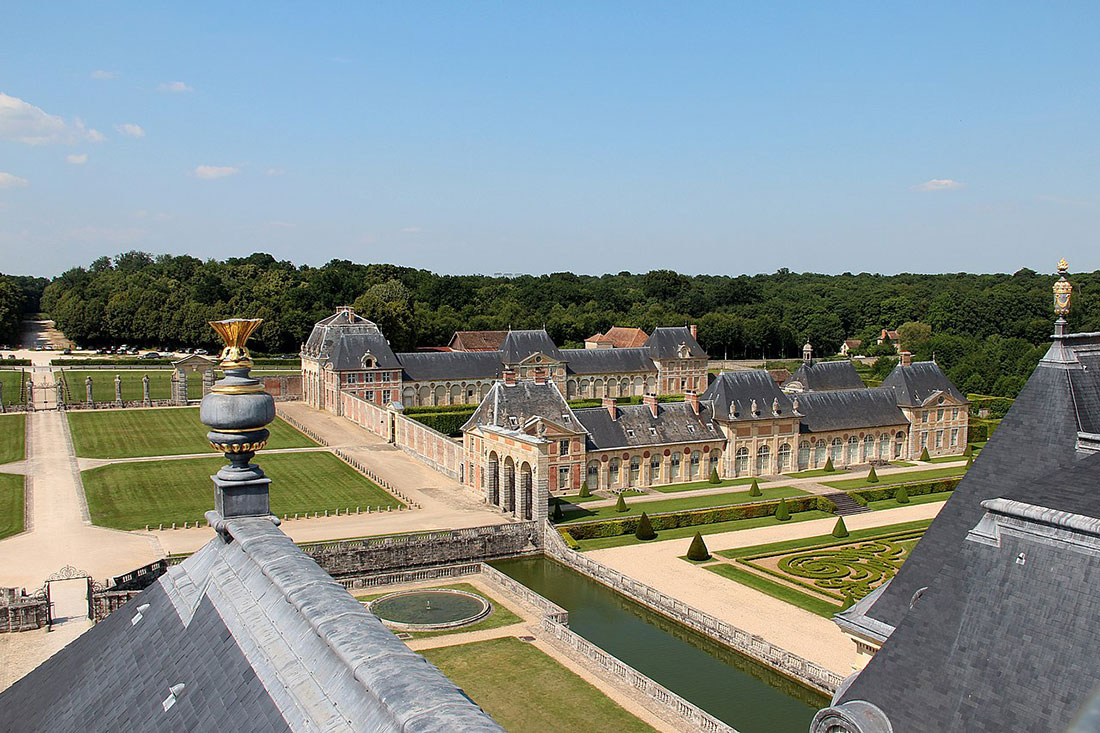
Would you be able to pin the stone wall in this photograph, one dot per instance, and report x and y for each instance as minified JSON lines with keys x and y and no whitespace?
{"x":344,"y":558}
{"x":20,"y":612}
{"x":283,"y":388}
{"x":428,"y":446}
{"x":366,"y":415}
{"x":104,"y":603}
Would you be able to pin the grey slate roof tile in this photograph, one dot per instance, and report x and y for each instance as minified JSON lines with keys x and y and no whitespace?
{"x":635,"y":426}
{"x":826,"y":375}
{"x":731,"y":395}
{"x":665,"y":341}
{"x":609,"y":361}
{"x":916,"y":382}
{"x":849,"y":409}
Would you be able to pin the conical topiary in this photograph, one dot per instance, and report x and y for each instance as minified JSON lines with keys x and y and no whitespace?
{"x":585,"y":492}
{"x":645,"y":528}
{"x":754,"y":490}
{"x":839,"y":530}
{"x":782,"y":513}
{"x":901,"y":496}
{"x":969,"y":450}
{"x":924,"y":454}
{"x":698,"y":550}
{"x":872,"y":477}
{"x":829,"y":464}
{"x":714,"y":476}
{"x":558,"y":516}
{"x":970,"y":461}
{"x":849,"y":600}
{"x":620,"y":505}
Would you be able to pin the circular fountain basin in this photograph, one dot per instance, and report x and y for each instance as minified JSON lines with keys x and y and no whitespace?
{"x":430,"y":610}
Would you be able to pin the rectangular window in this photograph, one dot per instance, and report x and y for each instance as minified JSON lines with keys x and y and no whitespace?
{"x":369,"y":396}
{"x":954,"y":437}
{"x":955,"y":414}
{"x":939,"y":414}
{"x":923,"y":439}
{"x":369,"y":378}
{"x":924,"y":417}
{"x":563,"y":477}
{"x":386,"y":396}
{"x":563,"y":447}
{"x":939,"y":438}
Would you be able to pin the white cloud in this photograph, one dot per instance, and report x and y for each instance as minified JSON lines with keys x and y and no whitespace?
{"x":7,"y":180}
{"x":274,"y":171}
{"x":938,"y":184}
{"x":101,"y":74}
{"x":75,"y":159}
{"x":23,"y":122}
{"x":215,"y":171}
{"x":175,"y":86}
{"x":129,"y":129}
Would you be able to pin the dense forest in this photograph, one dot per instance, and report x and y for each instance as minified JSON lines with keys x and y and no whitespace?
{"x":19,"y":295}
{"x":988,"y":331}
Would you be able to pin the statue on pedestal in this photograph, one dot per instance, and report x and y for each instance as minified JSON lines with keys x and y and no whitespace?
{"x":88,"y":398}
{"x":145,"y":391}
{"x":118,"y":390}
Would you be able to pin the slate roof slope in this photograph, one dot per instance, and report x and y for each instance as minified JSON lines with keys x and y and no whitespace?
{"x":731,"y":394}
{"x":826,"y":375}
{"x":849,"y":409}
{"x":343,"y":339}
{"x":428,"y":366}
{"x":518,"y":345}
{"x":664,"y":343}
{"x":914,"y":383}
{"x":524,"y":400}
{"x":676,"y":422}
{"x":1037,"y":437}
{"x":260,"y":637}
{"x":605,"y":361}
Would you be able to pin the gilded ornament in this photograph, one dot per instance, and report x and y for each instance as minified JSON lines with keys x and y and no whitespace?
{"x":1063,"y":290}
{"x":235,"y":332}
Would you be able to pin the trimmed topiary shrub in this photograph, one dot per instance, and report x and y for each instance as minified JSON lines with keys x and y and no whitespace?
{"x":569,"y":541}
{"x":840,"y":530}
{"x":924,"y":455}
{"x":698,"y":550}
{"x":969,"y":450}
{"x":714,"y":476}
{"x":849,"y":600}
{"x":585,"y":493}
{"x":901,"y":496}
{"x":754,"y":490}
{"x":558,"y":516}
{"x":829,"y":464}
{"x":970,"y":461}
{"x":782,"y":513}
{"x":645,"y":528}
{"x":872,"y":477}
{"x":620,"y":505}
{"x":862,"y":496}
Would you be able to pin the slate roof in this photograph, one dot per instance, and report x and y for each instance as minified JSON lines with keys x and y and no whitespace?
{"x":992,"y":644}
{"x":621,"y":337}
{"x":916,"y":382}
{"x":635,"y":425}
{"x":427,"y":366}
{"x":849,"y":409}
{"x":260,"y":638}
{"x":826,"y":375}
{"x":477,"y":340}
{"x":342,"y":339}
{"x":524,"y":400}
{"x":731,"y":394}
{"x":518,"y":345}
{"x":664,"y":343}
{"x":606,"y":361}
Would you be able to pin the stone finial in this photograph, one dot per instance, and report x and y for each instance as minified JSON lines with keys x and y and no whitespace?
{"x":1063,"y":292}
{"x":754,"y":409}
{"x":794,"y":404}
{"x":237,"y":411}
{"x":775,"y":405}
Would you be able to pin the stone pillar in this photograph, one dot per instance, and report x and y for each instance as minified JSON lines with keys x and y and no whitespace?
{"x":492,"y":483}
{"x":207,"y":381}
{"x":89,"y":399}
{"x":30,"y":394}
{"x":145,"y":391}
{"x":508,"y":499}
{"x":60,"y":385}
{"x":526,"y":496}
{"x":118,"y":391}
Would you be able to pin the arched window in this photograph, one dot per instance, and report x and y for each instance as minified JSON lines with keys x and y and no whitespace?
{"x":820,"y":450}
{"x":899,"y":444}
{"x":635,"y":470}
{"x":674,"y":467}
{"x":884,"y":446}
{"x":804,"y":455}
{"x":763,"y":460}
{"x":741,"y":461}
{"x":695,"y":465}
{"x":784,"y":457}
{"x":613,"y":471}
{"x":837,"y":451}
{"x":853,"y":450}
{"x":593,"y":475}
{"x":655,"y":469}
{"x":868,"y":448}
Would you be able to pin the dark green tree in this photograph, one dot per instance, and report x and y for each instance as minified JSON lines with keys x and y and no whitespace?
{"x":872,"y":477}
{"x":584,"y":493}
{"x":620,"y":505}
{"x":901,"y":496}
{"x":782,"y":512}
{"x":924,"y":455}
{"x":645,"y":528}
{"x":698,"y":551}
{"x":754,"y":490}
{"x":714,"y":476}
{"x":829,"y":464}
{"x":839,"y":529}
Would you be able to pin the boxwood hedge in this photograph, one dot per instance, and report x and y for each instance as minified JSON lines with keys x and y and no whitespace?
{"x":862,"y":496}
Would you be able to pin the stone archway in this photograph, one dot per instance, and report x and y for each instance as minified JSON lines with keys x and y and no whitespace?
{"x":493,"y":482}
{"x":526,"y":490}
{"x":508,"y":500}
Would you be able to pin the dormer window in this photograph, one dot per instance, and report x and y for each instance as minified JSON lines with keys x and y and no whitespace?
{"x":630,"y":432}
{"x":368,"y":361}
{"x":691,"y":429}
{"x":513,"y":420}
{"x":652,"y":430}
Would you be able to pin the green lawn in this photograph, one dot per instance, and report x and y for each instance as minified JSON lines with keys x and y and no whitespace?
{"x":902,"y":464}
{"x":776,"y":590}
{"x":674,"y":505}
{"x":574,"y":499}
{"x":499,"y":616}
{"x":899,"y":478}
{"x":161,"y":432}
{"x":12,"y":437}
{"x":922,"y":499}
{"x":947,"y":459}
{"x":812,"y":473}
{"x":103,"y":384}
{"x":603,"y":543}
{"x":132,"y":495}
{"x":525,"y":690}
{"x":11,"y":504}
{"x":11,"y":381}
{"x":694,"y":485}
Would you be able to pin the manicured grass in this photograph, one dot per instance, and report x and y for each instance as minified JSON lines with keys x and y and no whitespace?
{"x":674,"y":505}
{"x":899,"y":478}
{"x":103,"y":384}
{"x":499,"y":616}
{"x":603,"y":543}
{"x":824,"y":539}
{"x":922,"y":499}
{"x":814,"y":472}
{"x":166,"y":431}
{"x":696,"y":485}
{"x":776,"y":590}
{"x":11,"y":504}
{"x":12,"y":437}
{"x":574,"y":499}
{"x":12,"y":381}
{"x":132,"y":495}
{"x":902,"y":464}
{"x":526,"y":690}
{"x":948,"y":459}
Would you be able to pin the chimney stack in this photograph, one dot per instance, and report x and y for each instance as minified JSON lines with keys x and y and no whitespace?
{"x":612,"y":407}
{"x":650,"y":401}
{"x":692,"y":398}
{"x":694,"y":331}
{"x":509,"y":378}
{"x":906,"y":358}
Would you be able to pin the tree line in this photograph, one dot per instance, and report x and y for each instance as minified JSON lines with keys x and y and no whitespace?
{"x":984,"y":329}
{"x":19,"y":295}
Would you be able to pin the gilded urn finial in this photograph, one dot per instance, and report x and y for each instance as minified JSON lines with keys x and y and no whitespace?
{"x":235,"y":332}
{"x":1063,"y":290}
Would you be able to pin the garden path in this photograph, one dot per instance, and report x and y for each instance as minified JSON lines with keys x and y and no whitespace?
{"x":814,"y":637}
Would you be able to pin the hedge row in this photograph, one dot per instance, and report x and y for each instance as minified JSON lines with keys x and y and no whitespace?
{"x":448,"y":423}
{"x":636,"y":400}
{"x":862,"y":496}
{"x":694,"y":517}
{"x":15,"y":362}
{"x":997,"y":406}
{"x":438,"y":409}
{"x":294,"y":364}
{"x":980,"y":431}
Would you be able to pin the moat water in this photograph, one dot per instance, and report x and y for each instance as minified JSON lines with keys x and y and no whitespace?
{"x":736,"y":689}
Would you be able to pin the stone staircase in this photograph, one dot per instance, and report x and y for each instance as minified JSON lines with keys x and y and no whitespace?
{"x":845,"y":505}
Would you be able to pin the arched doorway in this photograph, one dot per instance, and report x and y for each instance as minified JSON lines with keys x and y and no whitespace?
{"x":526,"y":487}
{"x":509,"y":485}
{"x":494,"y":479}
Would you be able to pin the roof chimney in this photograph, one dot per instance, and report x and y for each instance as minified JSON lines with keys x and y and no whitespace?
{"x":692,"y":398}
{"x":906,"y":358}
{"x":612,"y":407}
{"x":237,"y":410}
{"x":694,"y":331}
{"x":509,"y":378}
{"x":650,"y":401}
{"x":345,"y":309}
{"x":808,"y":353}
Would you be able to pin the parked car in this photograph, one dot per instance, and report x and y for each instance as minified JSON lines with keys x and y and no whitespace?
{"x":150,"y":355}
{"x":201,"y":352}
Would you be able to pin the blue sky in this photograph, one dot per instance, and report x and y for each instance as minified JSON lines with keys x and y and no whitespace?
{"x":537,"y":137}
